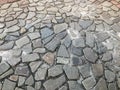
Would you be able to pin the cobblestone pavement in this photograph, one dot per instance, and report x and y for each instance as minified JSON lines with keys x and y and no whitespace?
{"x":60,"y":45}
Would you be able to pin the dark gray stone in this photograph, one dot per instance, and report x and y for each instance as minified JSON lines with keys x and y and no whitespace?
{"x":67,"y":41}
{"x":85,"y":23}
{"x":7,"y":46}
{"x":112,"y":86}
{"x":76,"y":60}
{"x":76,"y":51}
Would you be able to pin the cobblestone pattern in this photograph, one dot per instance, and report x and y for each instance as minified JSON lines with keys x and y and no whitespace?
{"x":60,"y":45}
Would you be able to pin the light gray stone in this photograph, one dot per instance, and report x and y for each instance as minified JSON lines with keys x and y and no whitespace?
{"x":63,"y":88}
{"x":90,"y":55}
{"x":89,"y":83}
{"x":7,"y":46}
{"x":41,"y":74}
{"x":21,"y":80}
{"x":8,"y":85}
{"x":109,"y":75}
{"x":112,"y":86}
{"x":29,"y":80}
{"x":22,"y":41}
{"x":60,"y":27}
{"x":30,"y":88}
{"x":11,"y":23}
{"x":71,"y":72}
{"x":62,"y":52}
{"x":30,"y":57}
{"x":107,"y":56}
{"x":53,"y":84}
{"x":38,"y":85}
{"x":34,"y":35}
{"x":63,"y":60}
{"x":85,"y":23}
{"x":31,"y":15}
{"x":12,"y":29}
{"x":4,"y":67}
{"x":55,"y":70}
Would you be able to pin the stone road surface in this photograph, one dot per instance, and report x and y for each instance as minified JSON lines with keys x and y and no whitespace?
{"x":60,"y":45}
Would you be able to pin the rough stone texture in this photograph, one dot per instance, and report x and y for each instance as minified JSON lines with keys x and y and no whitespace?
{"x":109,"y":75}
{"x":3,"y":67}
{"x":52,"y":84}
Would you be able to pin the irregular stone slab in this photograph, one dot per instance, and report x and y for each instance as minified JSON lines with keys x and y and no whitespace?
{"x":109,"y":75}
{"x":22,"y":41}
{"x":11,"y":23}
{"x":38,"y":85}
{"x":85,"y":23}
{"x":53,"y":84}
{"x":61,"y":35}
{"x":55,"y":70}
{"x":30,"y":57}
{"x":112,"y":86}
{"x":29,"y":80}
{"x":116,"y":27}
{"x":39,"y":50}
{"x":41,"y":74}
{"x":101,"y":85}
{"x":97,"y":70}
{"x":7,"y":46}
{"x":35,"y":65}
{"x":8,"y":85}
{"x":14,"y":61}
{"x":63,"y":60}
{"x":89,"y":83}
{"x":34,"y":35}
{"x":77,"y":51}
{"x":67,"y":41}
{"x":102,"y":36}
{"x":37,"y":43}
{"x":2,"y":25}
{"x":21,"y":80}
{"x":107,"y":56}
{"x":27,"y":49}
{"x":22,"y":70}
{"x":60,"y":27}
{"x":90,"y":55}
{"x":9,"y":72}
{"x":71,"y":72}
{"x":53,"y":44}
{"x":12,"y":29}
{"x":46,"y":32}
{"x":90,"y":40}
{"x":3,"y":67}
{"x":80,"y":42}
{"x":73,"y":85}
{"x":30,"y":88}
{"x":62,"y":52}
{"x":31,"y":15}
{"x":13,"y":78}
{"x":49,"y":58}
{"x":85,"y":70}
{"x":76,"y":60}
{"x":63,"y":88}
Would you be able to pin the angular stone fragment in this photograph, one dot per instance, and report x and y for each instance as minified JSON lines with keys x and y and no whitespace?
{"x":35,"y":65}
{"x":97,"y":70}
{"x":109,"y":75}
{"x":41,"y":74}
{"x":12,"y":29}
{"x":2,"y":25}
{"x":107,"y":56}
{"x":37,"y":43}
{"x":55,"y":71}
{"x":101,"y":85}
{"x":7,"y":46}
{"x":85,"y":70}
{"x":116,"y":27}
{"x":34,"y":35}
{"x":21,"y":80}
{"x":60,"y":27}
{"x":49,"y":58}
{"x":22,"y":41}
{"x":3,"y":67}
{"x":8,"y":85}
{"x":71,"y":72}
{"x":63,"y":60}
{"x":73,"y":85}
{"x":77,"y":51}
{"x":31,"y":15}
{"x":53,"y":84}
{"x":76,"y":60}
{"x":53,"y":44}
{"x":89,"y":83}
{"x":11,"y":23}
{"x":22,"y":70}
{"x":14,"y":61}
{"x":90,"y":55}
{"x":29,"y":80}
{"x":67,"y":41}
{"x":63,"y":88}
{"x":38,"y":85}
{"x":27,"y":49}
{"x":85,"y":23}
{"x":112,"y":86}
{"x":30,"y":57}
{"x":46,"y":32}
{"x":62,"y":52}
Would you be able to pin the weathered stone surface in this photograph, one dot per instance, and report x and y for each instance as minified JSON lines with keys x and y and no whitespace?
{"x":107,"y":56}
{"x":76,"y":60}
{"x":29,"y":80}
{"x":112,"y":86}
{"x":85,"y":23}
{"x":31,"y":15}
{"x":11,"y":23}
{"x":34,"y":35}
{"x":85,"y":70}
{"x":53,"y":84}
{"x":62,"y":52}
{"x":27,"y":48}
{"x":12,"y":29}
{"x":3,"y":67}
{"x":71,"y":72}
{"x":63,"y":60}
{"x":38,"y":85}
{"x":101,"y":85}
{"x":63,"y":88}
{"x":97,"y":70}
{"x":2,"y":25}
{"x":89,"y":83}
{"x":22,"y":70}
{"x":8,"y":85}
{"x":7,"y":46}
{"x":53,"y":44}
{"x":21,"y":80}
{"x":49,"y":58}
{"x":67,"y":41}
{"x":90,"y":55}
{"x":60,"y":27}
{"x":73,"y":85}
{"x":46,"y":32}
{"x":37,"y":43}
{"x":22,"y":41}
{"x":76,"y":51}
{"x":109,"y":75}
{"x":55,"y":71}
{"x":41,"y":74}
{"x":30,"y":88}
{"x":30,"y":57}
